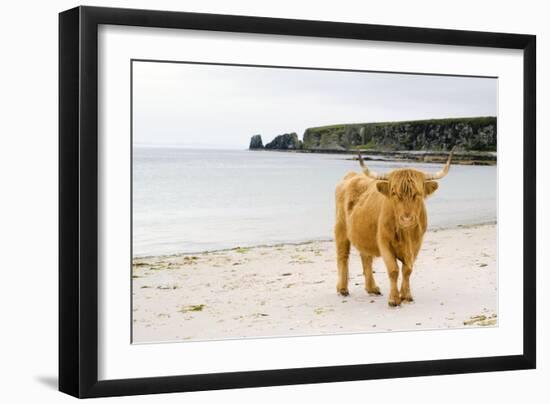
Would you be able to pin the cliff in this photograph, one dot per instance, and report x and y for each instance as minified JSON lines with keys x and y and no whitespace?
{"x":469,"y":134}
{"x":426,"y":140}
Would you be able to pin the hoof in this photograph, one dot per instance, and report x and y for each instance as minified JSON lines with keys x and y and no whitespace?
{"x":394,"y":302}
{"x":406,"y":297}
{"x":374,"y":291}
{"x":343,"y":292}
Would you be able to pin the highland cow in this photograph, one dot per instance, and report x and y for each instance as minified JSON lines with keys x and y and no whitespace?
{"x":383,"y":215}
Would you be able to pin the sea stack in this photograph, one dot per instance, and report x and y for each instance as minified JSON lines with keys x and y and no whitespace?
{"x":256,"y":142}
{"x":287,"y":141}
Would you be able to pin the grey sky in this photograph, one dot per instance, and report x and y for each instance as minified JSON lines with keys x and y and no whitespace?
{"x":223,"y":106}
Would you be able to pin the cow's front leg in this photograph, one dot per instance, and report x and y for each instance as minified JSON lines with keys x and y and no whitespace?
{"x":405,"y":284}
{"x":393,"y":274}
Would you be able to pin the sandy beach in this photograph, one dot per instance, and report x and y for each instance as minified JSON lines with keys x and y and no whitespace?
{"x":289,"y":290}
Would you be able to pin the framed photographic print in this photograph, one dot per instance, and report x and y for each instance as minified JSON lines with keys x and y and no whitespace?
{"x":249,"y":201}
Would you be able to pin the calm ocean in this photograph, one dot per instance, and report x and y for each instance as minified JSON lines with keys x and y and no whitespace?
{"x":187,"y":200}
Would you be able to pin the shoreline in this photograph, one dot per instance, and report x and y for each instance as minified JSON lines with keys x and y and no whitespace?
{"x":294,"y":243}
{"x":289,"y":290}
{"x":476,"y":158}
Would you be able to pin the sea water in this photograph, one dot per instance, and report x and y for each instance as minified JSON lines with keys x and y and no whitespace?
{"x":190,"y":200}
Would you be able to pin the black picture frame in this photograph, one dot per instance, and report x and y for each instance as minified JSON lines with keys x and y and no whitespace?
{"x":78,"y":200}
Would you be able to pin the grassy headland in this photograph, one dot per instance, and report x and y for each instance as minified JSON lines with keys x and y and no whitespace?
{"x":421,"y":140}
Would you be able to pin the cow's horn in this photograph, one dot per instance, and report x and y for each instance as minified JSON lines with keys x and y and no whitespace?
{"x":442,"y":173}
{"x":369,"y":173}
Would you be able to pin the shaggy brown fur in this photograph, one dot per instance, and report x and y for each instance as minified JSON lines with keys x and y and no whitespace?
{"x":384,"y":218}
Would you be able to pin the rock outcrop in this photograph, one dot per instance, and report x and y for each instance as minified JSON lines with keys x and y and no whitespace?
{"x":256,"y":142}
{"x":287,"y":141}
{"x":479,"y":134}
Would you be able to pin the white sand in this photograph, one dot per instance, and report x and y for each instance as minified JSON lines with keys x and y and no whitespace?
{"x":291,"y":290}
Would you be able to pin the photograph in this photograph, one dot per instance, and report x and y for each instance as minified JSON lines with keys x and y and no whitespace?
{"x":278,"y":201}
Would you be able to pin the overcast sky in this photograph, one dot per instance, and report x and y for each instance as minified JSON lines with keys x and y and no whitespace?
{"x":223,"y":106}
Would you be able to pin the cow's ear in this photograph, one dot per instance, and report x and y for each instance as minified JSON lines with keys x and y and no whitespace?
{"x":383,"y":187}
{"x":430,"y":187}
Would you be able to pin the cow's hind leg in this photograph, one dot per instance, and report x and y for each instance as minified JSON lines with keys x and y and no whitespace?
{"x":342,"y":256}
{"x":406,"y":295}
{"x":370,"y":283}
